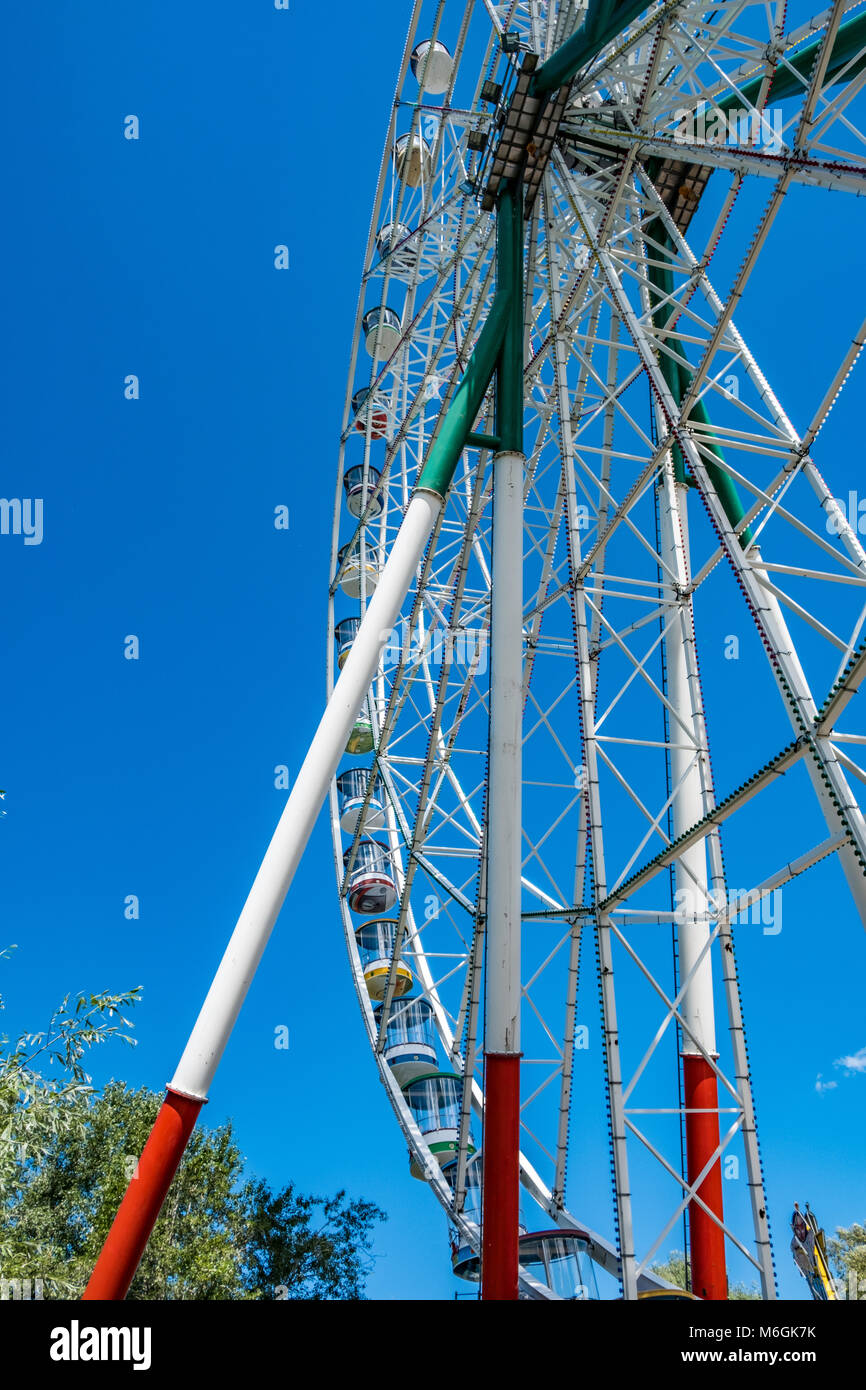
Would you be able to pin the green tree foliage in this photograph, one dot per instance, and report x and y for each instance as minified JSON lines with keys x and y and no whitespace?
{"x":743,"y":1291}
{"x":67,"y":1154}
{"x":218,"y":1236}
{"x":848,"y":1251}
{"x":39,"y":1113}
{"x":306,"y":1247}
{"x":674,"y":1270}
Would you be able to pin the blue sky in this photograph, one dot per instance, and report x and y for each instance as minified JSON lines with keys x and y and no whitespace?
{"x":156,"y":777}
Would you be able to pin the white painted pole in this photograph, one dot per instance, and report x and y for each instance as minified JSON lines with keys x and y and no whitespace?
{"x":504,"y":848}
{"x":693,"y":928}
{"x":501,"y":1176}
{"x":255,"y":924}
{"x":700,"y":1087}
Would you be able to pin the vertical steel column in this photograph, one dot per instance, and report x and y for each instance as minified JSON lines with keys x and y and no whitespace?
{"x":701,"y":1101}
{"x":501,"y":1177}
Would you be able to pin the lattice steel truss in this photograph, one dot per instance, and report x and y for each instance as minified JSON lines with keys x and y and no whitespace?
{"x":631,"y":546}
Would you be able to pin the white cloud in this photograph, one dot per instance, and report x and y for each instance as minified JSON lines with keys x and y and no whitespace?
{"x":822,"y":1086}
{"x":856,"y":1062}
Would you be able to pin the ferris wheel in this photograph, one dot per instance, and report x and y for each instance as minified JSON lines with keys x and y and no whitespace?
{"x":567,"y":497}
{"x":530,"y":817}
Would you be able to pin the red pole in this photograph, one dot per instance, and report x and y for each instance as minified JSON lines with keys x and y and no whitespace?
{"x":129,"y":1234}
{"x":709,"y":1278}
{"x":501,"y":1177}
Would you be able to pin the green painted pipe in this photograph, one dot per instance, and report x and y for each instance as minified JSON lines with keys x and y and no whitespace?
{"x":662,"y":280}
{"x":598,"y":14}
{"x":604,"y":20}
{"x":849,"y":40}
{"x":499,"y":349}
{"x":509,"y":273}
{"x":679,"y":380}
{"x":451,"y":440}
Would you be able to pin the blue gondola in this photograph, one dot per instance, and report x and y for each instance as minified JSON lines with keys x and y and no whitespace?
{"x":465,"y":1260}
{"x":410,"y":1047}
{"x":345,"y":632}
{"x":357,"y":494}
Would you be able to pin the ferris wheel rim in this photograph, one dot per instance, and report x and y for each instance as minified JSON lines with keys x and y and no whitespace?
{"x":350,"y":925}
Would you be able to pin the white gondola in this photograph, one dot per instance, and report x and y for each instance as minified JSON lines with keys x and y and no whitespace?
{"x":375,"y":942}
{"x":435,"y":1101}
{"x":371,"y":408}
{"x":392,"y":241}
{"x":353,"y":568}
{"x":414,"y":160}
{"x":436,"y":74}
{"x":371,"y":888}
{"x":352,"y":790}
{"x":381,"y":325}
{"x":359,"y":494}
{"x":410,"y":1049}
{"x":561,"y":1260}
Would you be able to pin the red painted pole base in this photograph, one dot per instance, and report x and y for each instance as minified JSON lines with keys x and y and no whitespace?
{"x":501,"y":1177}
{"x":141,"y":1205}
{"x":709,"y":1276}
